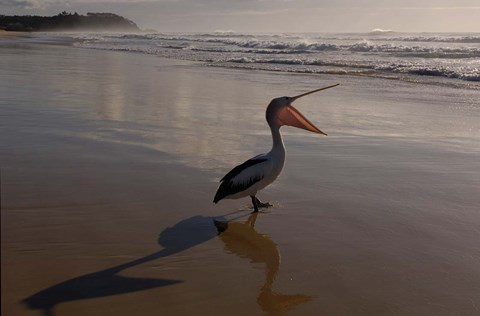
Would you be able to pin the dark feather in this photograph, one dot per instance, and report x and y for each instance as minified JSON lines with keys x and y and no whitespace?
{"x":235,"y":171}
{"x":227,"y":187}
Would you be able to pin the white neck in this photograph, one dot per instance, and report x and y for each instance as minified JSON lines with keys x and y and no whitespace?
{"x":277,"y":139}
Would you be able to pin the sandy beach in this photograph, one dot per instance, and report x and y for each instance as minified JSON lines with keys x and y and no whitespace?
{"x":110,"y":161}
{"x":6,"y":34}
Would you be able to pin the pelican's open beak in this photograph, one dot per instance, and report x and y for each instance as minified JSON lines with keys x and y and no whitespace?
{"x":292,"y":117}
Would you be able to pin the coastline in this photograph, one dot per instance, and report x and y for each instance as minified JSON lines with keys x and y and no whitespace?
{"x":117,"y":149}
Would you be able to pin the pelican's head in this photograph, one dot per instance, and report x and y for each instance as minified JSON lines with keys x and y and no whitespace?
{"x":281,"y":112}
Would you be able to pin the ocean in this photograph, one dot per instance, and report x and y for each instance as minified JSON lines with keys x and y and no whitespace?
{"x":438,"y":58}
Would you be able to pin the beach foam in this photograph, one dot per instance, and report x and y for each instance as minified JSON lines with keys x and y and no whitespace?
{"x":398,"y":55}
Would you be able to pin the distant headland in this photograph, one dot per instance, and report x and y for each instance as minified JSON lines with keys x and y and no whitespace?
{"x":68,"y":22}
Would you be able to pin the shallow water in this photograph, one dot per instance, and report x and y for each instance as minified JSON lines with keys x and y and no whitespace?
{"x":110,"y":161}
{"x":438,"y":58}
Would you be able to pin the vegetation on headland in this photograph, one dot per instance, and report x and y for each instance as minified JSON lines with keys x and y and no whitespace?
{"x":67,"y":22}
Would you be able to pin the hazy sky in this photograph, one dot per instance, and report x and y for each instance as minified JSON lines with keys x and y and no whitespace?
{"x":273,"y":15}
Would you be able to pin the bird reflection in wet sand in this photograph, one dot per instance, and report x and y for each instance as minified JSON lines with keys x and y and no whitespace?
{"x":244,"y":241}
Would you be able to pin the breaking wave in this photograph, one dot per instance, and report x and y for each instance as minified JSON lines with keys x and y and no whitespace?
{"x":306,"y":46}
{"x":351,"y":68}
{"x":427,"y":55}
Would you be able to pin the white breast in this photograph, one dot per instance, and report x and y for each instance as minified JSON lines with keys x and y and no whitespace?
{"x":269,"y":170}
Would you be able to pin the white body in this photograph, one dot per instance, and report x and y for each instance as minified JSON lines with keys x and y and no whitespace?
{"x":269,"y":170}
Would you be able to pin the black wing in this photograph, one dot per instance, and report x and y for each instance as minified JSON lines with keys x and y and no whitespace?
{"x":227,"y":187}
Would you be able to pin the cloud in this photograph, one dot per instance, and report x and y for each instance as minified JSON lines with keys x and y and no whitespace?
{"x":33,"y":4}
{"x":25,"y":4}
{"x":271,"y":15}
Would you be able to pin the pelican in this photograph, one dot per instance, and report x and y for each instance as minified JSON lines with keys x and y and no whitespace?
{"x":258,"y":172}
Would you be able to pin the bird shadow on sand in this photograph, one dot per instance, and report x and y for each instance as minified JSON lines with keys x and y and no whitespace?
{"x":185,"y":234}
{"x":243,"y":240}
{"x":240,"y":238}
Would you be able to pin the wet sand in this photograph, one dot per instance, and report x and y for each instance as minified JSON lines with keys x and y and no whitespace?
{"x":7,"y":34}
{"x":110,"y":160}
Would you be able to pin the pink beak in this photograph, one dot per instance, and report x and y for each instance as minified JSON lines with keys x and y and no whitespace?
{"x":292,"y":117}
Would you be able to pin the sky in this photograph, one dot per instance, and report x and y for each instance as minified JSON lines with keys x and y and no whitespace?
{"x":272,"y":16}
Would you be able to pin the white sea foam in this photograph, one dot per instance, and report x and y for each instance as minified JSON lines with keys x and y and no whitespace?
{"x":453,"y":56}
{"x":380,"y":32}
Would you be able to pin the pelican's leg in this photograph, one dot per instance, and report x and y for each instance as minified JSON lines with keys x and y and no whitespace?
{"x":260,"y":204}
{"x":254,"y":202}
